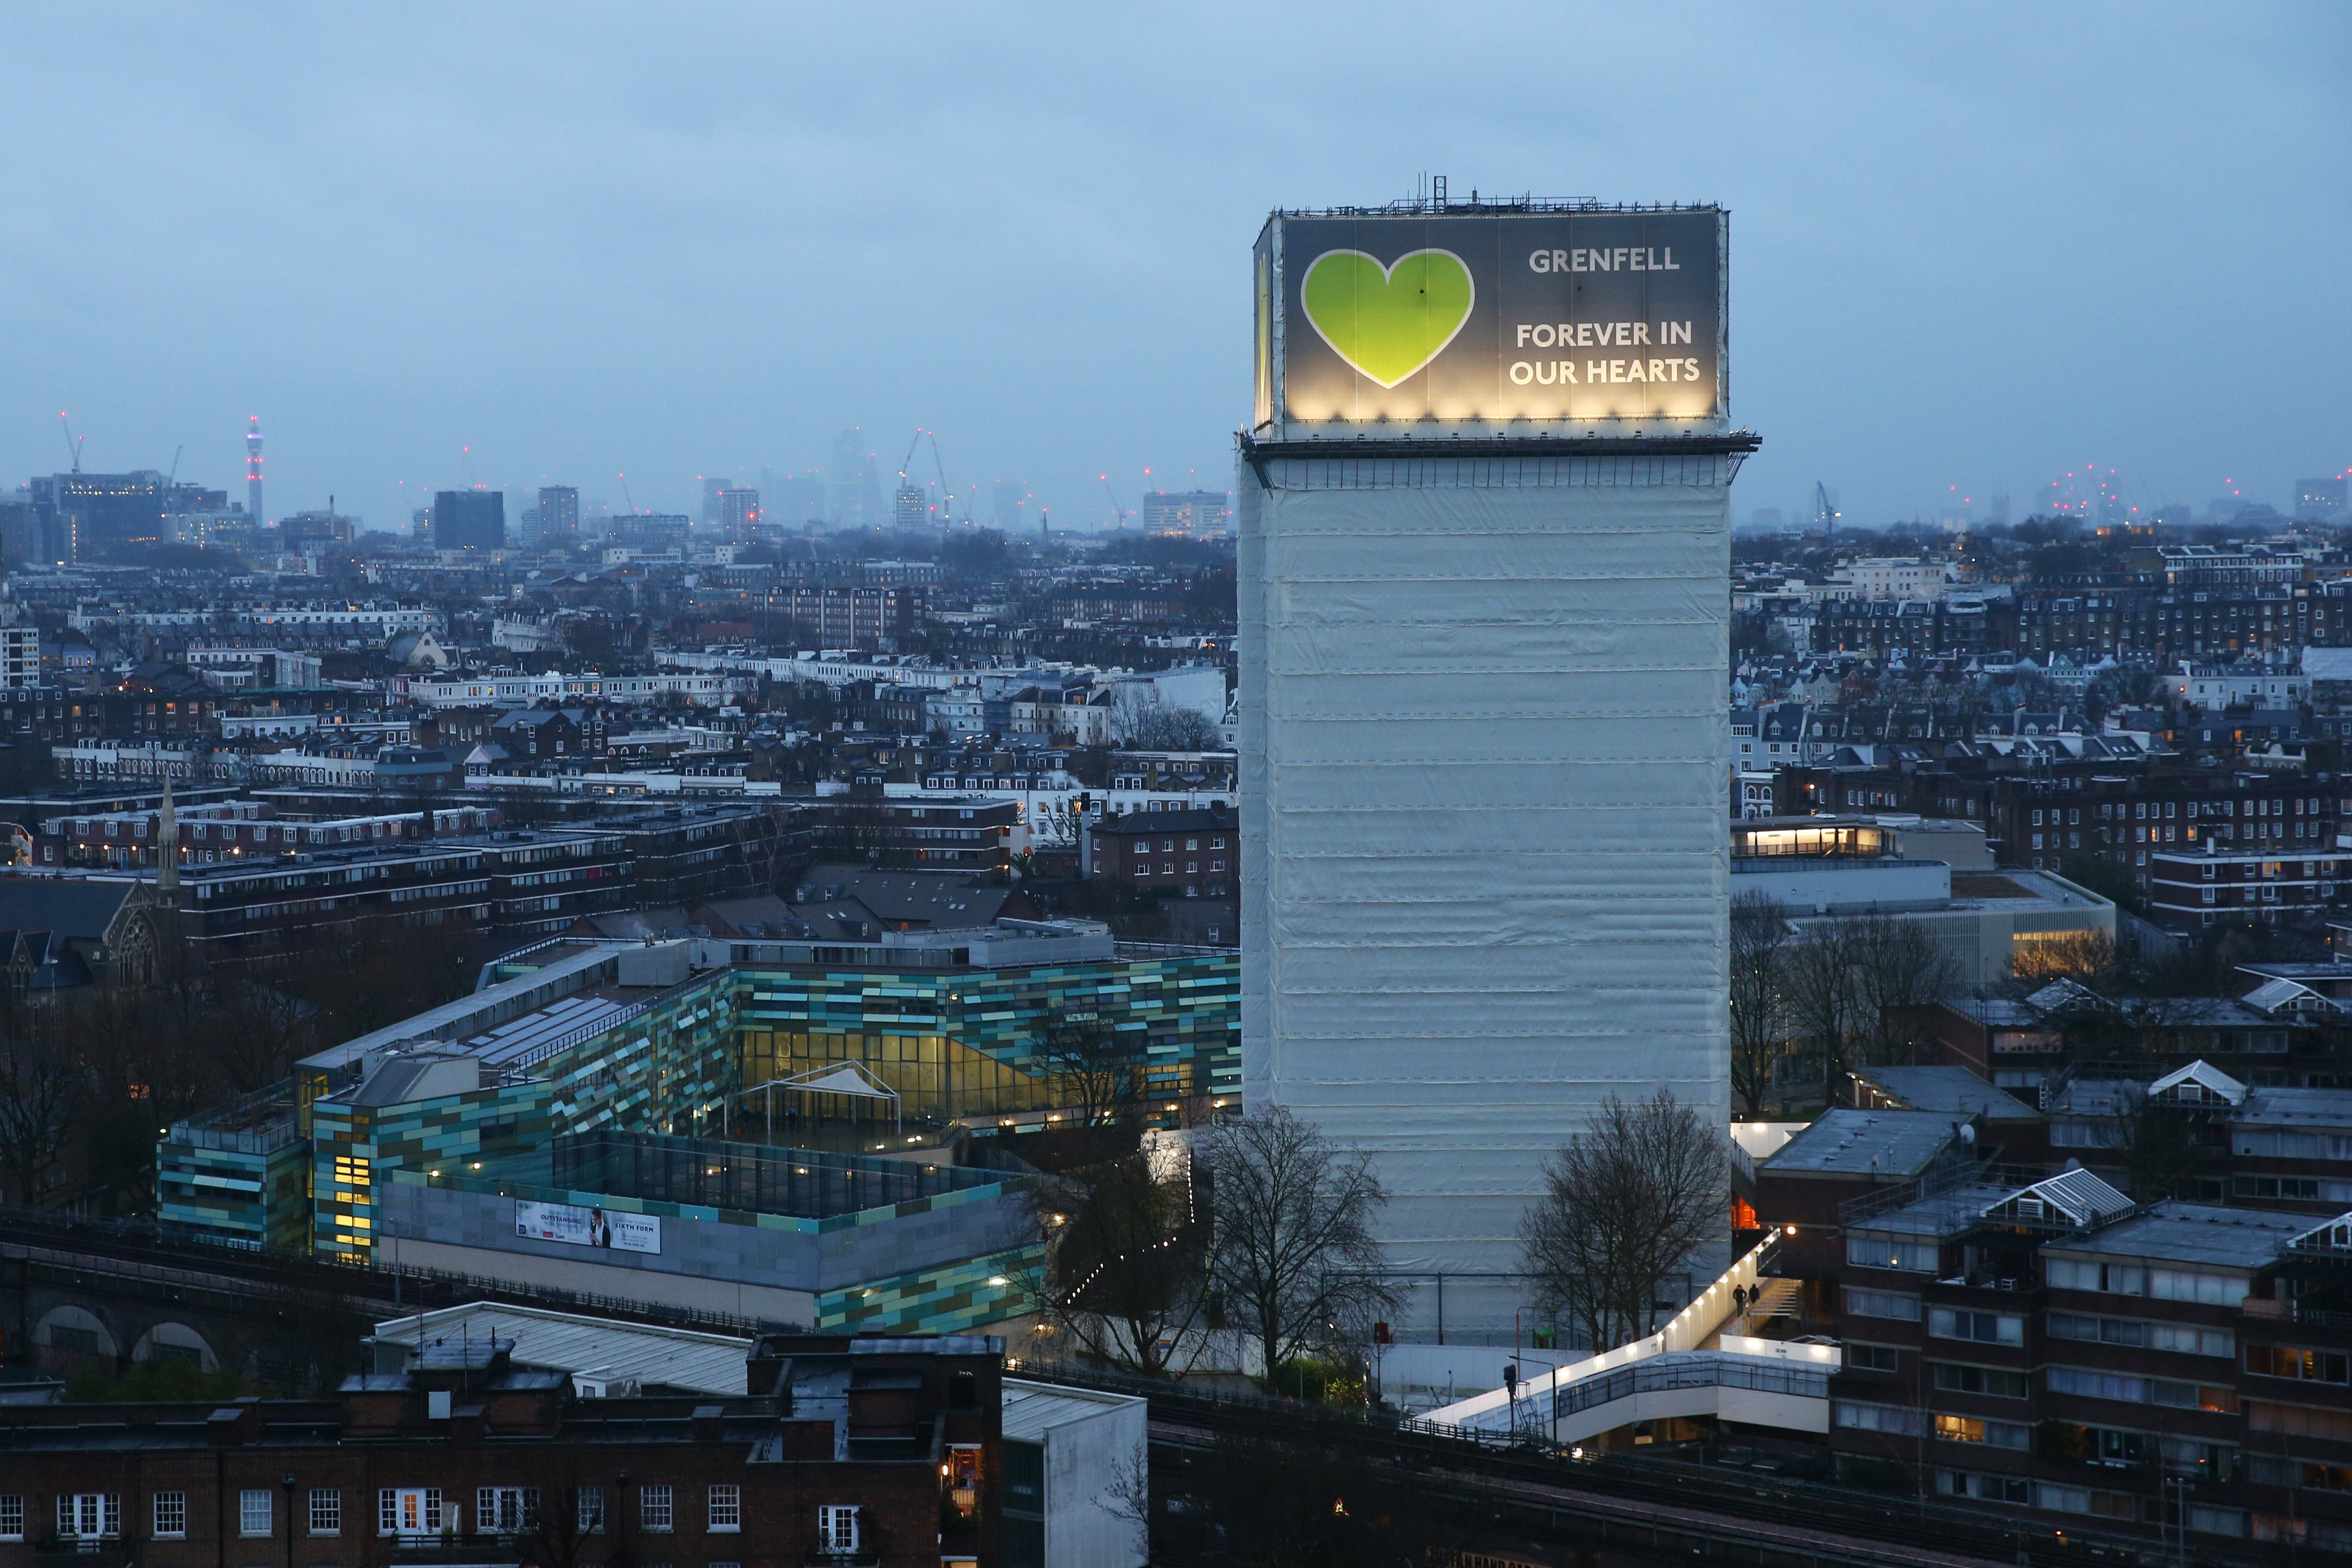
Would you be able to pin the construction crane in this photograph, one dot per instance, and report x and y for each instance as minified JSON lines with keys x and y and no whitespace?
{"x":1117,"y":513}
{"x":625,"y":495}
{"x":914,"y":445}
{"x":73,"y":442}
{"x":1825,"y":514}
{"x":947,"y":496}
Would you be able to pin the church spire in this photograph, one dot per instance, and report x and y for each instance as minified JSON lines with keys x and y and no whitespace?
{"x":167,"y":841}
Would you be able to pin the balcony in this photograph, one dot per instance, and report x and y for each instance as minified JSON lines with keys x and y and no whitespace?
{"x":451,"y":1550}
{"x":259,"y":1123}
{"x":83,"y":1552}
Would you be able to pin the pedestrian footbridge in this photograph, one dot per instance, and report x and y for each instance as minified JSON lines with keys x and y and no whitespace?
{"x":1699,"y":1364}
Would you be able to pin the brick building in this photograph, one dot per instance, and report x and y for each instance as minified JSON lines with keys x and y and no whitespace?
{"x":2186,"y":889}
{"x":2165,"y":624}
{"x":2042,"y":819}
{"x":884,"y":1453}
{"x":1199,"y":851}
{"x":2045,"y":1346}
{"x":848,"y":618}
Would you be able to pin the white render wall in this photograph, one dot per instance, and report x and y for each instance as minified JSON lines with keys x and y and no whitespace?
{"x":1483,"y":838}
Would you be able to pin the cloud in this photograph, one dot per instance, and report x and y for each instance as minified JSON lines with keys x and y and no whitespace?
{"x":1970,"y":246}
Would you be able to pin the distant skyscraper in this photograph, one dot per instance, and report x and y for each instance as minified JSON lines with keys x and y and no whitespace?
{"x":797,"y":498}
{"x":252,"y":471}
{"x":655,"y":531}
{"x":559,"y":514}
{"x":469,"y":520}
{"x":328,"y":527}
{"x":739,"y":510}
{"x":910,"y":506}
{"x":712,"y":488}
{"x":85,"y":516}
{"x":856,"y":481}
{"x":1184,"y":514}
{"x":1007,"y":497}
{"x":2319,"y":497}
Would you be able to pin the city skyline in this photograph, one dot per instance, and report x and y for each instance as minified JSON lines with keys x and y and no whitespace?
{"x":612,"y":235}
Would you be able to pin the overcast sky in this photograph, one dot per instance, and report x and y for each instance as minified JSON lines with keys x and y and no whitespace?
{"x":1972,"y":247}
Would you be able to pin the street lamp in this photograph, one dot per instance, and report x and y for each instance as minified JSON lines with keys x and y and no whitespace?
{"x":1552,"y":1367}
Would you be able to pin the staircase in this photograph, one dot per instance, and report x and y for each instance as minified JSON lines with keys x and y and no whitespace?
{"x":1773,"y":1298}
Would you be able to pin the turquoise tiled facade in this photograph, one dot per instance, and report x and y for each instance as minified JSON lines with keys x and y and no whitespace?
{"x":957,"y":1042}
{"x":908,"y":1250}
{"x":255,"y":1194}
{"x":963,"y":1043}
{"x":666,"y":1068}
{"x":936,"y":1301}
{"x":355,"y":1148}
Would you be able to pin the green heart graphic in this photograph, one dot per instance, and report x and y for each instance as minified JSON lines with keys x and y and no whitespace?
{"x":1387,"y":322}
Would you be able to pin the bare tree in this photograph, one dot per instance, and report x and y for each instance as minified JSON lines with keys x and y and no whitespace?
{"x":1628,"y":1204}
{"x":1127,"y":1495}
{"x":1128,"y":1264}
{"x":1899,"y":969}
{"x":1294,"y":1259}
{"x":1821,"y":994}
{"x":41,"y":1087}
{"x":2156,"y":1145}
{"x":2089,"y":955}
{"x":1148,"y":722}
{"x":1093,"y":1068}
{"x":557,"y":1532}
{"x":1759,"y":1005}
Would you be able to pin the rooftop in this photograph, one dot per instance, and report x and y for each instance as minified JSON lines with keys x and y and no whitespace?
{"x":2195,"y":1234}
{"x":567,"y":1343}
{"x":2097,"y":1097}
{"x":2330,"y":1108}
{"x":1032,"y":1409}
{"x":1995,"y":1012}
{"x":1951,"y":1089}
{"x":1940,"y":1215}
{"x":652,"y":1173}
{"x":1866,"y":1143}
{"x":566,"y":969}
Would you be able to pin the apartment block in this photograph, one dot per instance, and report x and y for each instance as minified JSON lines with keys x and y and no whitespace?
{"x":886,"y":1453}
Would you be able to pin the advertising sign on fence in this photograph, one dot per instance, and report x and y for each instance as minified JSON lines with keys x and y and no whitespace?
{"x":578,"y":1226}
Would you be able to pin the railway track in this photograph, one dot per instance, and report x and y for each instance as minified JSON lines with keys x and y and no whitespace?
{"x":1648,"y":1509}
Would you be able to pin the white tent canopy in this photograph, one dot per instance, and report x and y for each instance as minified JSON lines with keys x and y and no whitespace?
{"x":835,"y":1077}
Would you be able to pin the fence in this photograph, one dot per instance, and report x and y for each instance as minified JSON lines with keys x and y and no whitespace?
{"x":368,"y":1288}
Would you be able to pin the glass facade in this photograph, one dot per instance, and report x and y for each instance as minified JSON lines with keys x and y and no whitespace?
{"x":954,"y":1043}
